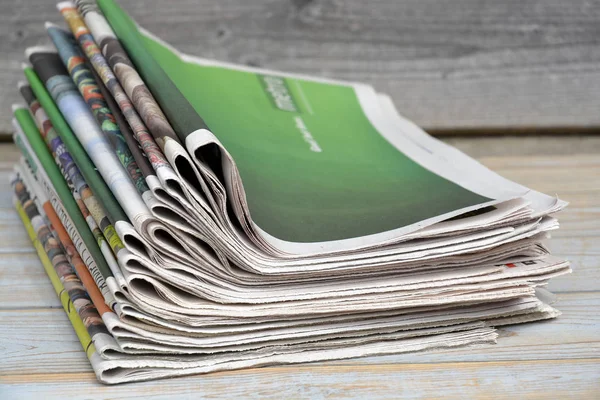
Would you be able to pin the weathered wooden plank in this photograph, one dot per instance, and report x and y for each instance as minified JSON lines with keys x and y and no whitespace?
{"x":585,"y":276}
{"x":460,"y":64}
{"x":42,"y":337}
{"x":41,"y":340}
{"x":13,"y":237}
{"x":24,"y":283}
{"x":525,"y":146}
{"x":576,"y":379}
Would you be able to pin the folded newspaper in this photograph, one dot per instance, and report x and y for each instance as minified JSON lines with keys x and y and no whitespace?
{"x":197,"y":216}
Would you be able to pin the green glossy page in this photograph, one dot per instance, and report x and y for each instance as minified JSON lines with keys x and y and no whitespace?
{"x":313,"y":166}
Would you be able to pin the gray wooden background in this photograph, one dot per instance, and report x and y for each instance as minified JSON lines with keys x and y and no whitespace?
{"x":450,"y":65}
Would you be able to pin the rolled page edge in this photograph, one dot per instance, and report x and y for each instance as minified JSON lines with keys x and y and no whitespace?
{"x":49,"y":25}
{"x":39,"y":49}
{"x":16,"y":106}
{"x":65,"y":4}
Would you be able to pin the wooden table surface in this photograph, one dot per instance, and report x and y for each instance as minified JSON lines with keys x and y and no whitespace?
{"x":40,"y":356}
{"x":456,"y":66}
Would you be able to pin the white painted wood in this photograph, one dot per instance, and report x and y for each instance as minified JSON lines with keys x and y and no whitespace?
{"x":551,"y":379}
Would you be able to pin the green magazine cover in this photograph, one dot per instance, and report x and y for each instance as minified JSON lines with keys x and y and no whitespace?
{"x":314,"y":166}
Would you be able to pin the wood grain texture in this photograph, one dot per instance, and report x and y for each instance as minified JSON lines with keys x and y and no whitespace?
{"x":550,"y":379}
{"x":449,"y":65}
{"x":522,"y":145}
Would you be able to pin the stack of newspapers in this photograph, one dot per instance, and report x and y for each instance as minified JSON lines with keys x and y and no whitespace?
{"x":196,"y":216}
